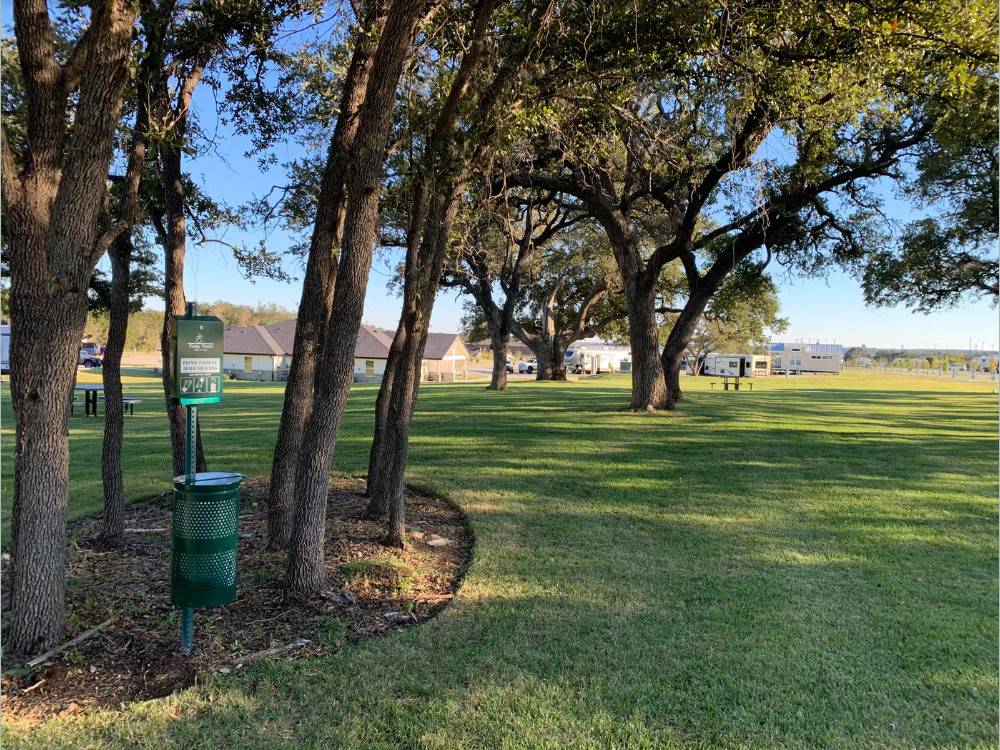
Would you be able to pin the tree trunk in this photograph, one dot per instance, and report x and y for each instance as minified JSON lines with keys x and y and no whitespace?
{"x":387,"y":489}
{"x":400,"y":387}
{"x":113,"y":526}
{"x":550,"y":355}
{"x":313,"y":312}
{"x":306,"y":571}
{"x":498,"y":344}
{"x":677,"y":341}
{"x":317,"y":296}
{"x":557,"y":368}
{"x":51,"y":212}
{"x":174,"y":302}
{"x":41,"y":383}
{"x":377,"y":507}
{"x":649,"y":390}
{"x":385,"y":442}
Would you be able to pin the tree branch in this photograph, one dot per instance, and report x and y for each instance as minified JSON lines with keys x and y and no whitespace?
{"x":755,"y":128}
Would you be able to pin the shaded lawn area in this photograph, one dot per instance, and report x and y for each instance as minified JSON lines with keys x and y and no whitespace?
{"x":810,"y":564}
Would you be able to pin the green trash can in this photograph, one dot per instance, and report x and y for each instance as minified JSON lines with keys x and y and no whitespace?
{"x":625,"y":366}
{"x":206,"y":521}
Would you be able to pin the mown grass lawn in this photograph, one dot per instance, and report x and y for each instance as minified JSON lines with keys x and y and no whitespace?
{"x":810,"y":564}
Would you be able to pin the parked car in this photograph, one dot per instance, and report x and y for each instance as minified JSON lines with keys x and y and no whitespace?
{"x":509,"y":366}
{"x":90,"y":355}
{"x":526,"y":368}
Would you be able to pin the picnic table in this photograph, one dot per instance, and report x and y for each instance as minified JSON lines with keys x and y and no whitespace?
{"x":733,"y":380}
{"x":90,"y":391}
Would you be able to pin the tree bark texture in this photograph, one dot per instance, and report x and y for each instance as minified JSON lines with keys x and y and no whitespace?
{"x":113,"y":526}
{"x":377,"y":509}
{"x":649,"y":389}
{"x":306,"y":555}
{"x":551,"y":360}
{"x":317,"y":294}
{"x":398,"y":392}
{"x":53,"y":204}
{"x":499,"y":340}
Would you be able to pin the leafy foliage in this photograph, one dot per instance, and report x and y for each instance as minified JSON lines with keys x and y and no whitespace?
{"x":950,"y":255}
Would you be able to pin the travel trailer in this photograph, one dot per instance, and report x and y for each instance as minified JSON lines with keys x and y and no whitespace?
{"x":4,"y":349}
{"x":804,"y":357}
{"x":737,"y":365}
{"x":592,"y":356}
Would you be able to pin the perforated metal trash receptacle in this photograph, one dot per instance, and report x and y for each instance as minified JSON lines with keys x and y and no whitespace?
{"x":206,"y":521}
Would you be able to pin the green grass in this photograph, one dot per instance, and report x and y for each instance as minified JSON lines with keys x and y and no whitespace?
{"x":810,"y":564}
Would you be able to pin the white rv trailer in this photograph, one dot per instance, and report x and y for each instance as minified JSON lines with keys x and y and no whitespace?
{"x":595,"y":355}
{"x":804,"y":357}
{"x":737,"y":365}
{"x":4,"y":349}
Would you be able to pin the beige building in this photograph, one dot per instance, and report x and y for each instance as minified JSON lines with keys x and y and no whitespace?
{"x":265,"y":353}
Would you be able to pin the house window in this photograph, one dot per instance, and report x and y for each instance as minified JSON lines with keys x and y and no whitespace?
{"x":370,"y":368}
{"x":248,"y":364}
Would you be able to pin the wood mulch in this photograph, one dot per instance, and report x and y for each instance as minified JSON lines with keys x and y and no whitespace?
{"x":374,"y":590}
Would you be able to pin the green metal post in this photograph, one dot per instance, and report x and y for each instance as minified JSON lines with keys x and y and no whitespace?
{"x":187,"y":630}
{"x":190,"y":468}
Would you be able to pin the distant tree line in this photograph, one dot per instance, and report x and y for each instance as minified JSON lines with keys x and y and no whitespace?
{"x":144,"y":326}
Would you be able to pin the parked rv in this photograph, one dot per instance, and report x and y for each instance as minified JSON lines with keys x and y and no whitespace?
{"x":4,"y":349}
{"x":804,"y":357}
{"x":737,"y":365}
{"x":593,"y":356}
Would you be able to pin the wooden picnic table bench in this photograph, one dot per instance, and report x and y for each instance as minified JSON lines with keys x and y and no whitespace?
{"x":733,"y":380}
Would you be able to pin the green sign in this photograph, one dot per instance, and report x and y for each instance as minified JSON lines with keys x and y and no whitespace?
{"x":198,"y":359}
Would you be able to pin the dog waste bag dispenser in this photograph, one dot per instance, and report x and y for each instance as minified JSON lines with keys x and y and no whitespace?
{"x":206,"y":504}
{"x":198,"y":360}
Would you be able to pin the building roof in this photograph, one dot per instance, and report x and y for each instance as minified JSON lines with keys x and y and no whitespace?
{"x":373,"y":342}
{"x":251,"y":340}
{"x":278,"y":339}
{"x":283,"y":333}
{"x":438,"y":344}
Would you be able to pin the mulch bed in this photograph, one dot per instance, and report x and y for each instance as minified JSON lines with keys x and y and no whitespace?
{"x":374,"y":590}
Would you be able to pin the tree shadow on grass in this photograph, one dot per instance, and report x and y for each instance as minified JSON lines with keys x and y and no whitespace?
{"x":692,"y":633}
